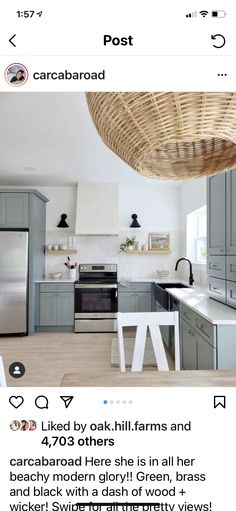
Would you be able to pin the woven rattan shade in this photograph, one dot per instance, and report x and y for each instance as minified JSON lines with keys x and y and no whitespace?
{"x":168,"y":135}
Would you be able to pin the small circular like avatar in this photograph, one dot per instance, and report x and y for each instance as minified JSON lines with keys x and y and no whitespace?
{"x":32,"y":425}
{"x":24,"y":425}
{"x":15,"y":425}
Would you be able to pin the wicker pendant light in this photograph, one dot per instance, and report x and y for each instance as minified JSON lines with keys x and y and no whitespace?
{"x":168,"y":135}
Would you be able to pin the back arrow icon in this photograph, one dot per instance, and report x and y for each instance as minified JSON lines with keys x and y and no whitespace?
{"x":10,"y":40}
{"x":222,"y":43}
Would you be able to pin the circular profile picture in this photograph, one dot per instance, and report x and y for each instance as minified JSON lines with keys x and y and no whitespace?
{"x":16,"y":75}
{"x":24,"y":425}
{"x":32,"y":425}
{"x":15,"y":425}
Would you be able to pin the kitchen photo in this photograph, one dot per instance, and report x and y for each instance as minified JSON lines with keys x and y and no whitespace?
{"x":118,"y":239}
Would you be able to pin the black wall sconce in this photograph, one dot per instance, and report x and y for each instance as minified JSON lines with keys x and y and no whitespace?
{"x":63,"y":222}
{"x":134,"y":223}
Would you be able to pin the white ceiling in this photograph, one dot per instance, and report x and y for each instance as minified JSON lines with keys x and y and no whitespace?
{"x":49,"y":139}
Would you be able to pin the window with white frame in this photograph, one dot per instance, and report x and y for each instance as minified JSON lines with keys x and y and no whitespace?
{"x":197,"y":235}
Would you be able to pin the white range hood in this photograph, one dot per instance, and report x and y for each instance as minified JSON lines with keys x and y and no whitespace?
{"x":97,"y":212}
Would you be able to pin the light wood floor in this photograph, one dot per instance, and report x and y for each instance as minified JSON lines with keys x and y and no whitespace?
{"x":49,"y":356}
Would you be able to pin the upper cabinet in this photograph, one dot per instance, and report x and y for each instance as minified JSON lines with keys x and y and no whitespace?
{"x":97,"y":209}
{"x":222,"y":237}
{"x":14,"y":210}
{"x":231,"y":212}
{"x":221,"y":205}
{"x":216,"y":201}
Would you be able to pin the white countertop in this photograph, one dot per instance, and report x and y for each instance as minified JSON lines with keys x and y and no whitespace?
{"x":197,"y":299}
{"x":56,"y":281}
{"x":150,"y":279}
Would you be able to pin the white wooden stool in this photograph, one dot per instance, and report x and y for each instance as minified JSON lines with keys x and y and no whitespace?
{"x":2,"y":374}
{"x":151,"y":320}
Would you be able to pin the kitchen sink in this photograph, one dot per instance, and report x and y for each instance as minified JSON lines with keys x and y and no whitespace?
{"x":171,"y":284}
{"x":162,"y":296}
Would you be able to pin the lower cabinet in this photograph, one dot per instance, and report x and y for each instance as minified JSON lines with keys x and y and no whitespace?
{"x":129,"y":302}
{"x":188,"y":346}
{"x":135,"y":298}
{"x":55,"y":308}
{"x":197,"y":353}
{"x":165,"y":330}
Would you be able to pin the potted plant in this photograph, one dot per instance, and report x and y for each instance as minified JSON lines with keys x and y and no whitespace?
{"x":128,"y":244}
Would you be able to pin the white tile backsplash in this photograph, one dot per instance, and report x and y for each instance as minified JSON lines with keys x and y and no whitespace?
{"x":199,"y":273}
{"x":105,"y":249}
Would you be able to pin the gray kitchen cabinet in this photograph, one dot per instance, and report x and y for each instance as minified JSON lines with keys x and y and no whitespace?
{"x":144,"y":302}
{"x":188,"y":346}
{"x":216,"y":202}
{"x":126,"y":302}
{"x":216,"y":266}
{"x":231,"y":294}
{"x":217,"y":289}
{"x":165,"y":330}
{"x":198,"y":341}
{"x":55,"y":307}
{"x":206,"y":355}
{"x":231,"y":268}
{"x":48,"y":305}
{"x":231,"y":212}
{"x":65,"y":311}
{"x":14,"y":210}
{"x":196,"y":352}
{"x":221,"y":264}
{"x":130,"y":302}
{"x":137,"y":297}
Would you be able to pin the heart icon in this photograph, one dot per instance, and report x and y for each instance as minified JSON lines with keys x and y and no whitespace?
{"x":16,"y":401}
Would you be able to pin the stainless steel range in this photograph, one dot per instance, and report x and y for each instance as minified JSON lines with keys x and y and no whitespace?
{"x":96,"y":302}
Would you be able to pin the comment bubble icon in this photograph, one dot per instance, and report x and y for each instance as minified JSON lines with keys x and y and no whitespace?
{"x":41,"y":402}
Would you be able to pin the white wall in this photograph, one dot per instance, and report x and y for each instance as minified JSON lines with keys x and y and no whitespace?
{"x":157,"y":209}
{"x":62,"y":199}
{"x":192,"y":197}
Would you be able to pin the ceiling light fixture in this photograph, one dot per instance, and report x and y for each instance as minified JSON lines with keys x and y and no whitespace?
{"x":168,"y":135}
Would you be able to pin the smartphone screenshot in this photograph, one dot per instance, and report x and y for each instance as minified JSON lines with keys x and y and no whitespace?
{"x":117,"y":256}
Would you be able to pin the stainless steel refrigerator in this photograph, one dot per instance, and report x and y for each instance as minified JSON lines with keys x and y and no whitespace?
{"x":13,"y":281}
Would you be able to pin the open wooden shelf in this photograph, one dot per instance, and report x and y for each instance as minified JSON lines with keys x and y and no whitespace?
{"x":153,"y":252}
{"x":55,"y":252}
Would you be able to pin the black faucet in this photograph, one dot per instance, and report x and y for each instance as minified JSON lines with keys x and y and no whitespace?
{"x":191,"y":280}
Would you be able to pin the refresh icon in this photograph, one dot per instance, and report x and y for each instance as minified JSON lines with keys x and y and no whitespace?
{"x":221,"y":42}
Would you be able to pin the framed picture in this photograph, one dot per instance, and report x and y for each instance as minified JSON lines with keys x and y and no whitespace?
{"x":159,"y":241}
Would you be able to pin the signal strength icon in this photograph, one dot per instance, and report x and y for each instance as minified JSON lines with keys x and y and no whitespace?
{"x":191,"y":14}
{"x":204,"y":13}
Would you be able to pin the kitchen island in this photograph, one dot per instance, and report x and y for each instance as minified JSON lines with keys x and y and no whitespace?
{"x":207,"y":327}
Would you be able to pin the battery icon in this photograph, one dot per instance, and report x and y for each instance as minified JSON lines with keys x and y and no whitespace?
{"x":218,"y":14}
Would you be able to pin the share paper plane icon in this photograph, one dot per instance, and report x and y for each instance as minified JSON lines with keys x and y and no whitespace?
{"x":67,"y":400}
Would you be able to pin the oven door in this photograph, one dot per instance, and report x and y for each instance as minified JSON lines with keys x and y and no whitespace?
{"x":95,"y":300}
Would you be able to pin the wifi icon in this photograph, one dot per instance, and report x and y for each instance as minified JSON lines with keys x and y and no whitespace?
{"x":204,"y":13}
